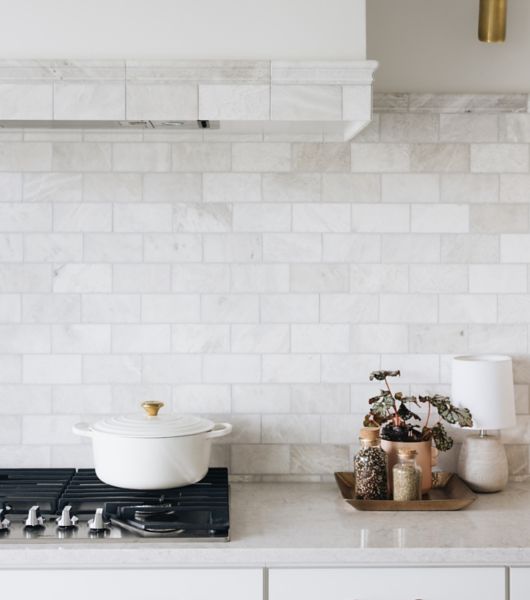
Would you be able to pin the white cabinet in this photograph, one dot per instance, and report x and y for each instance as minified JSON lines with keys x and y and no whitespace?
{"x":385,"y":583}
{"x":133,"y":584}
{"x":519,"y":583}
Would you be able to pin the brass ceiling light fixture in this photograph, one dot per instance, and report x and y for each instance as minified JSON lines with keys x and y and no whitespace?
{"x":492,"y":21}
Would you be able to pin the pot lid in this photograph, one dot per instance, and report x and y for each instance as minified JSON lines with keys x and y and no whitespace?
{"x":152,"y":425}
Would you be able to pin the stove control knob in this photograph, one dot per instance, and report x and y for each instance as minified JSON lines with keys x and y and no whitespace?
{"x":4,"y":522}
{"x":97,"y":523}
{"x":67,"y":520}
{"x":34,"y":518}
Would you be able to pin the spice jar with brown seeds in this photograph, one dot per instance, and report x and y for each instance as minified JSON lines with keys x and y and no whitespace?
{"x":370,"y":465}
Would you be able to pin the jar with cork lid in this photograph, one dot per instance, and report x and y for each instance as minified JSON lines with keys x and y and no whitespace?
{"x":406,"y":475}
{"x":370,"y":465}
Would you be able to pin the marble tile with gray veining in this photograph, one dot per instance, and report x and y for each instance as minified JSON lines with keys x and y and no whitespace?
{"x":448,"y":103}
{"x":200,"y":71}
{"x":324,"y":72}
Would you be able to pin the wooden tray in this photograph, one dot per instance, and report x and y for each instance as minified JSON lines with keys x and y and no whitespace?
{"x":449,"y":492}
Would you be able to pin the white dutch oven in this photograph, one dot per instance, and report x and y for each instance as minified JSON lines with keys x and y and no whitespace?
{"x":151,"y":451}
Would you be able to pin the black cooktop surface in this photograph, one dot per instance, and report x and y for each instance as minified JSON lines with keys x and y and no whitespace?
{"x":41,"y":496}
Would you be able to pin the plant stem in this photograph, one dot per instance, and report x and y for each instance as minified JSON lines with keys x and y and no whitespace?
{"x":428,"y":416}
{"x":396,"y":417}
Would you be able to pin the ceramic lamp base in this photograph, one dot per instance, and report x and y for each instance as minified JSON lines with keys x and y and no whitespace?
{"x":482,"y":464}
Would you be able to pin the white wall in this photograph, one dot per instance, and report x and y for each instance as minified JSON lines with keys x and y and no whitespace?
{"x":432,"y":46}
{"x":232,"y":29}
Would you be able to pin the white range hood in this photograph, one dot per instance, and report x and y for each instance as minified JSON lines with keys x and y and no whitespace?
{"x":322,"y":97}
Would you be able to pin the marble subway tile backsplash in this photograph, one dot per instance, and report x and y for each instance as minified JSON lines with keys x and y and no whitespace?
{"x":257,"y":280}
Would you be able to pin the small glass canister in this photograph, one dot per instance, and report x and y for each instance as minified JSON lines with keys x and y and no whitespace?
{"x":406,"y":476}
{"x":370,"y":465}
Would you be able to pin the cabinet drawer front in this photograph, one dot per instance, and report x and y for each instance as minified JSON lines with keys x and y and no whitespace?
{"x":519,"y":583}
{"x":138,"y":584}
{"x":383,"y":584}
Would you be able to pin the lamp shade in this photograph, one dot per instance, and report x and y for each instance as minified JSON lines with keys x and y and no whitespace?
{"x":484,"y":385}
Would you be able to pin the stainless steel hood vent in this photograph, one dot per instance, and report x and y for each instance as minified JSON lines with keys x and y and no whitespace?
{"x":86,"y":124}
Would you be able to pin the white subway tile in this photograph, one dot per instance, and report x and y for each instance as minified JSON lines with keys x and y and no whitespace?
{"x":91,"y":101}
{"x":379,"y":278}
{"x":201,"y":278}
{"x":468,"y":308}
{"x":288,"y":368}
{"x":146,"y":157}
{"x":375,"y":338}
{"x":408,"y":308}
{"x":172,"y":187}
{"x":320,"y":398}
{"x":380,"y":218}
{"x":467,"y":188}
{"x":380,"y":158}
{"x":438,"y":278}
{"x":161,"y":101}
{"x":198,"y":338}
{"x":259,"y":156}
{"x":339,"y":429}
{"x":468,"y":127}
{"x":141,"y":278}
{"x":515,"y":248}
{"x":319,"y":278}
{"x":172,"y":248}
{"x":260,"y":338}
{"x":74,"y":338}
{"x":22,"y":338}
{"x":291,"y":187}
{"x":415,"y":368}
{"x":88,"y":156}
{"x":292,"y":247}
{"x":235,"y":368}
{"x":53,"y":247}
{"x":113,"y":247}
{"x":82,"y":399}
{"x":234,"y":308}
{"x":112,"y":187}
{"x":201,"y":399}
{"x":260,"y":278}
{"x":202,"y":217}
{"x":143,"y":338}
{"x":499,"y":158}
{"x":289,"y":308}
{"x":256,"y":458}
{"x":348,"y":308}
{"x":321,"y":217}
{"x":446,"y":218}
{"x":469,"y":248}
{"x":231,"y":187}
{"x":52,"y":187}
{"x":127,"y":397}
{"x":513,"y":308}
{"x":113,"y":369}
{"x":347,"y":368}
{"x":306,"y":102}
{"x":440,"y":339}
{"x":107,"y":308}
{"x":142,"y":217}
{"x":325,"y":158}
{"x":11,"y":187}
{"x":49,"y":308}
{"x":351,"y":248}
{"x":320,"y":338}
{"x":249,"y":102}
{"x":319,"y":458}
{"x":281,"y":429}
{"x":10,"y":368}
{"x":25,"y":278}
{"x":439,"y":158}
{"x":27,"y":156}
{"x":56,"y":368}
{"x":201,"y":157}
{"x":264,"y":398}
{"x":82,"y":217}
{"x":262,"y":217}
{"x":511,"y":339}
{"x":236,"y":247}
{"x":11,"y":247}
{"x":501,"y":279}
{"x":409,"y":127}
{"x":499,"y":218}
{"x":25,"y":217}
{"x":410,"y":188}
{"x":82,"y":278}
{"x":26,"y":100}
{"x":514,"y":188}
{"x":48,"y":429}
{"x":10,"y":308}
{"x":170,"y":308}
{"x":345,"y":187}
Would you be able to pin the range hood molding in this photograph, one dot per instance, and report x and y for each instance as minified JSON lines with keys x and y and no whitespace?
{"x":328,"y":97}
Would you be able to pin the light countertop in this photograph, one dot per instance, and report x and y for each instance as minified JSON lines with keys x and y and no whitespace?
{"x":309,"y":524}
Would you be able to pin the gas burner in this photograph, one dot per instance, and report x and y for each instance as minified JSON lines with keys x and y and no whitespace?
{"x":83,"y":507}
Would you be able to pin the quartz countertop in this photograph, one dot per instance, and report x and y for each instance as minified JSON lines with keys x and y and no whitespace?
{"x":309,"y":524}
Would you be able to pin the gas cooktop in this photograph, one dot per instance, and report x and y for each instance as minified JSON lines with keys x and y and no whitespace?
{"x":50,"y":505}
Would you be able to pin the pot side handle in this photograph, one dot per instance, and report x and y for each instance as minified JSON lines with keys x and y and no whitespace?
{"x":82,"y":429}
{"x":219,"y":430}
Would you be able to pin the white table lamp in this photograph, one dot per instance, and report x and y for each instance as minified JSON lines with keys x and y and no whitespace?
{"x":484,"y":385}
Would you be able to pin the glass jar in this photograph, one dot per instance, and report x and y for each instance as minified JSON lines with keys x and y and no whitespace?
{"x":370,"y":465}
{"x":406,"y":476}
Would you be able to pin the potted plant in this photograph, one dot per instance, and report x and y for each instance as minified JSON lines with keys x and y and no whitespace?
{"x":394,"y":414}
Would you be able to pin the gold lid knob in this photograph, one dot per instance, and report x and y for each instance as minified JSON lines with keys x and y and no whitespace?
{"x":152,"y":407}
